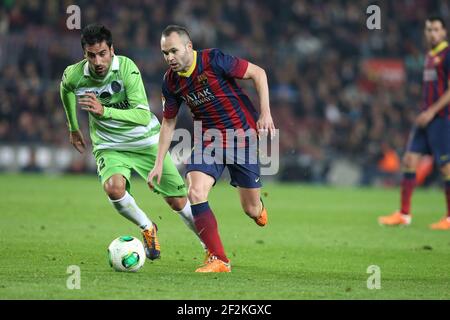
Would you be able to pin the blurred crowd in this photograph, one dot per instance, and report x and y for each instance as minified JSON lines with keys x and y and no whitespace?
{"x":312,"y":51}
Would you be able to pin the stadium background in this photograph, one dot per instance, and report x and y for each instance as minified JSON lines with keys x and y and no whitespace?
{"x":343,"y":96}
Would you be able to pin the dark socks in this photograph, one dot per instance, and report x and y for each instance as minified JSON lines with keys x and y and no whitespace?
{"x":207,"y":229}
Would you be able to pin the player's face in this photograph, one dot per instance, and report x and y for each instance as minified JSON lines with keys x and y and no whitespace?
{"x":99,"y":56}
{"x":177,"y":52}
{"x":435,"y":33}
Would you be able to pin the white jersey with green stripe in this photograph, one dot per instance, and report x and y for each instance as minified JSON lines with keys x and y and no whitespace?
{"x":121,"y":89}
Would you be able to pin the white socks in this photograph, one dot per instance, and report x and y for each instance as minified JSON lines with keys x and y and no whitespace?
{"x":188,"y":219}
{"x":128,"y":208}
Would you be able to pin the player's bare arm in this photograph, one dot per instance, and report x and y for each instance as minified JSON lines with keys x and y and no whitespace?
{"x":258,"y":75}
{"x":165,"y":137}
{"x":77,"y":140}
{"x":424,"y":118}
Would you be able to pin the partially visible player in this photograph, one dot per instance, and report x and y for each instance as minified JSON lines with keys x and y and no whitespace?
{"x":431,"y":135}
{"x":123,"y":131}
{"x":205,"y":81}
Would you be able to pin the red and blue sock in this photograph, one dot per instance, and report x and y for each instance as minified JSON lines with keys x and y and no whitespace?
{"x":207,"y":229}
{"x":407,"y":188}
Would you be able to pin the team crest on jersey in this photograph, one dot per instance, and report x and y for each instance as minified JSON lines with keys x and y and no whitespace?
{"x":104,"y":93}
{"x":202,"y":79}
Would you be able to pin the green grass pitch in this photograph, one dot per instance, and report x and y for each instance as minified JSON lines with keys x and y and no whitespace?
{"x":318,"y":244}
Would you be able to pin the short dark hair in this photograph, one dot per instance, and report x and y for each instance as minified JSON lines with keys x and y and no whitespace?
{"x":182,"y":31}
{"x":437,"y":18}
{"x":95,"y":33}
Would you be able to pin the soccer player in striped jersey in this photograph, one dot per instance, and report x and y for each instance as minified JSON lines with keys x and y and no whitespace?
{"x":123,"y":130}
{"x":431,"y":134}
{"x":205,"y":81}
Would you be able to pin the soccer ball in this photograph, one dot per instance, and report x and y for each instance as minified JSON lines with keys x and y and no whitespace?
{"x":126,"y":253}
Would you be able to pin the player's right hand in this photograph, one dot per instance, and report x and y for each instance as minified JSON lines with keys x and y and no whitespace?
{"x":77,"y":140}
{"x":155,"y":173}
{"x":265,"y":125}
{"x":425,"y":117}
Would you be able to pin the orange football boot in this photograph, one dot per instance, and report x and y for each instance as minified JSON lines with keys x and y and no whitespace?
{"x":262,"y":219}
{"x":215,"y":265}
{"x":443,"y":224}
{"x":395,"y":219}
{"x":151,"y":243}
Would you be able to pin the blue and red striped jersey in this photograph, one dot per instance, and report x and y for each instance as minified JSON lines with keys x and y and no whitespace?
{"x":210,"y":91}
{"x":436,"y":75}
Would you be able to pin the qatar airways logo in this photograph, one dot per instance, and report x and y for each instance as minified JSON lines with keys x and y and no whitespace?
{"x":194,"y":99}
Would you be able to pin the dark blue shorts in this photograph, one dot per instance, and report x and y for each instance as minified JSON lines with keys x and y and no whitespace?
{"x":433,"y":140}
{"x":244,"y":169}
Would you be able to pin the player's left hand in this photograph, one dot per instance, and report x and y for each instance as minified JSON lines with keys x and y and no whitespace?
{"x":91,"y":104}
{"x":155,"y":173}
{"x":265,"y":124}
{"x":424,"y":118}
